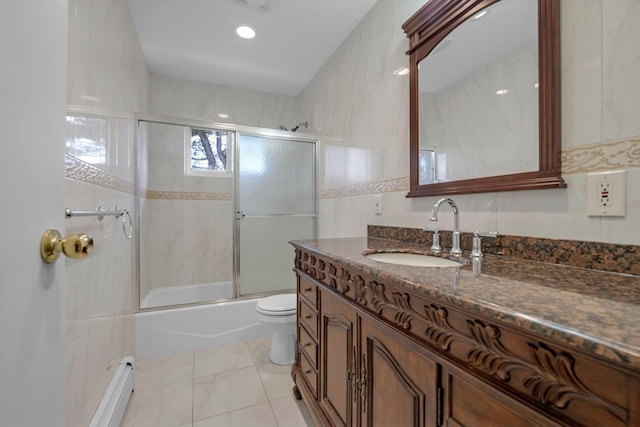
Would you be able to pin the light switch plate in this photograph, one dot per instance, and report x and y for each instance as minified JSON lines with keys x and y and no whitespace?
{"x":606,"y":194}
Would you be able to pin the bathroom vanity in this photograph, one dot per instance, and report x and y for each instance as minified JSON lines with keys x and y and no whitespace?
{"x":507,"y":343}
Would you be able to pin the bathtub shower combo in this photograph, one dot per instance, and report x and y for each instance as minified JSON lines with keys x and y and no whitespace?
{"x":216,"y":208}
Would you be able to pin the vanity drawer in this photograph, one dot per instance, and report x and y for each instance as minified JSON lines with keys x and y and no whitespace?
{"x":308,"y":318}
{"x":310,"y":375}
{"x":308,"y":290}
{"x":308,"y":346}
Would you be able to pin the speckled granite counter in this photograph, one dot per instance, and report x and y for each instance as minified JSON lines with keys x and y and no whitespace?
{"x":595,"y":311}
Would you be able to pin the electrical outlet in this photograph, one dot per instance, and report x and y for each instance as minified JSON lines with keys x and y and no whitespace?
{"x":606,"y":194}
{"x":377,"y":209}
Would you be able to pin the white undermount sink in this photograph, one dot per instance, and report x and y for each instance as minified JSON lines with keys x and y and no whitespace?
{"x":416,"y":260}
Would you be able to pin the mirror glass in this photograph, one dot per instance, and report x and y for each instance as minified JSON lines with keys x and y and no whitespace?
{"x":484,"y":96}
{"x":478,"y":96}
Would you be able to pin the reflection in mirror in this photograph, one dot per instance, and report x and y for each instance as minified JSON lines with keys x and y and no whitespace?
{"x":479,"y":96}
{"x":484,"y":96}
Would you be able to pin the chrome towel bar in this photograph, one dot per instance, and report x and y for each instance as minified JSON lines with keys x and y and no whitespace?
{"x":101,"y":212}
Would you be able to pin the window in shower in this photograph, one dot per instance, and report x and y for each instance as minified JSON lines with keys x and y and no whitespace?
{"x":208,"y":152}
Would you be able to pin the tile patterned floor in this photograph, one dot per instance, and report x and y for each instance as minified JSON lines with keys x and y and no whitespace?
{"x":234,"y":385}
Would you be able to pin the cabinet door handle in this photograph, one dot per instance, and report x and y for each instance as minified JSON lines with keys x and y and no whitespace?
{"x":308,"y":371}
{"x":439,"y":409}
{"x":307,"y":344}
{"x":363,"y":383}
{"x":354,"y":382}
{"x":307,"y":289}
{"x":308,"y":316}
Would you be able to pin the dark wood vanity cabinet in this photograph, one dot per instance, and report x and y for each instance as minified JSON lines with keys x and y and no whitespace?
{"x":399,"y":381}
{"x":339,"y":361}
{"x":373,"y":354}
{"x":368,"y":377}
{"x":469,"y":402}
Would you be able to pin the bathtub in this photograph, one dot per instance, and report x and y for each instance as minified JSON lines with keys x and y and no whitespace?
{"x":163,"y":332}
{"x":187,"y":294}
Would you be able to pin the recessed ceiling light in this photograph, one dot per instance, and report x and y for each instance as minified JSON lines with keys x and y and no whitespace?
{"x":401,"y":71}
{"x":223,"y":116}
{"x":501,"y":91}
{"x":90,"y":98}
{"x":245,"y":32}
{"x":479,"y":15}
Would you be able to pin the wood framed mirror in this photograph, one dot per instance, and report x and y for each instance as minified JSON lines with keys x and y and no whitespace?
{"x":511,"y":130}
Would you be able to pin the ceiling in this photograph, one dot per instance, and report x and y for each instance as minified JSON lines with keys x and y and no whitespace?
{"x":196,"y":40}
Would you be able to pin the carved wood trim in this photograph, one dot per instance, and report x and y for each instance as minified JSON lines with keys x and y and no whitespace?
{"x":488,"y":353}
{"x":438,"y":328}
{"x":550,"y":375}
{"x":555,"y":381}
{"x":551,"y":379}
{"x":372,"y":294}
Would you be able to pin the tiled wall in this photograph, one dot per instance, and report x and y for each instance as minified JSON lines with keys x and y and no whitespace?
{"x":187,"y":233}
{"x":188,"y":220}
{"x":174,"y":97}
{"x":107,"y":80}
{"x":360,"y":110}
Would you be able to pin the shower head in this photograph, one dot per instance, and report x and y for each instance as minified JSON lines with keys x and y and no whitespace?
{"x":283,"y":128}
{"x":305,"y":124}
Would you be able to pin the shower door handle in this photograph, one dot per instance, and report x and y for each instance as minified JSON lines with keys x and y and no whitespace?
{"x":240,"y":215}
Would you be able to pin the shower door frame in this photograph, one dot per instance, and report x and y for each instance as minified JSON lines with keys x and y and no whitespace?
{"x":236,"y":129}
{"x":274,"y":134}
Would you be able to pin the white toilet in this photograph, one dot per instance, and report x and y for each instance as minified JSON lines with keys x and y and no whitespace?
{"x":278,"y":314}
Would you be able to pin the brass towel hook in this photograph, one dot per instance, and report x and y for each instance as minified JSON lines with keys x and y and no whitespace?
{"x":73,"y":246}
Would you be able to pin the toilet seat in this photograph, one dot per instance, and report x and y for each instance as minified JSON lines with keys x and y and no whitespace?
{"x":277,"y":305}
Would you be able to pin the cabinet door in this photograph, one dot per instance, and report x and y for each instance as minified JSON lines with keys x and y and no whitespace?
{"x":338,"y":347}
{"x":470,"y":403}
{"x":398,"y":381}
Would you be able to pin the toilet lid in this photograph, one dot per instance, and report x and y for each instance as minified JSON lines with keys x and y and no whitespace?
{"x":278,"y":305}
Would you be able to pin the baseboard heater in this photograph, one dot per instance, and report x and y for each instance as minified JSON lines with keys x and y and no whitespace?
{"x":114,"y":402}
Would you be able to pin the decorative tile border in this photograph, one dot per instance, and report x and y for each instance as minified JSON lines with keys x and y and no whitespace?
{"x":606,"y":156}
{"x":592,"y":255}
{"x":87,"y":173}
{"x":387,"y":186}
{"x":186,"y":195}
{"x":589,"y":158}
{"x":613,"y":155}
{"x":75,"y":168}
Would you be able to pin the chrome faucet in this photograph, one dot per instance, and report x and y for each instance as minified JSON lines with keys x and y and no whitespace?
{"x":455,"y":238}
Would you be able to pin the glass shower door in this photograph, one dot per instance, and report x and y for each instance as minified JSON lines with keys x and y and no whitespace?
{"x":275,"y":203}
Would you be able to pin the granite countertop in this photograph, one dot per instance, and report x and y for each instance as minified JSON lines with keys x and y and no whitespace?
{"x":595,"y":311}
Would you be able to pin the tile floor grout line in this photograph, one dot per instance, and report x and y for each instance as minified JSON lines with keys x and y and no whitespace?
{"x":193,"y":386}
{"x":258,"y":363}
{"x":273,"y":412}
